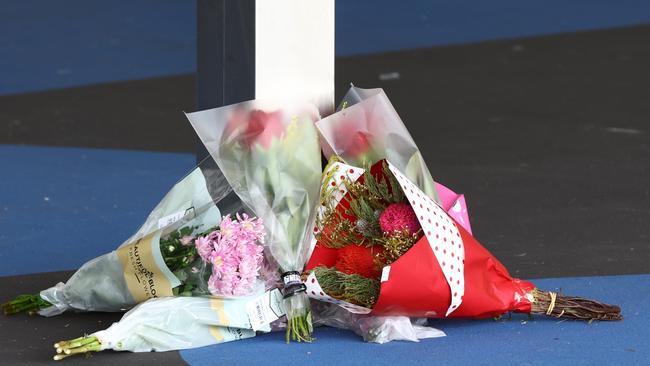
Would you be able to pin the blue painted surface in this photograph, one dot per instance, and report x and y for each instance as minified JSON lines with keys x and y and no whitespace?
{"x":57,"y":44}
{"x":60,"y":207}
{"x":518,"y":341}
{"x":378,"y":26}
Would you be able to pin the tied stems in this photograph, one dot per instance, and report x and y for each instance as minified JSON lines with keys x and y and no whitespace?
{"x":572,"y":307}
{"x":299,"y":329}
{"x":299,"y":322}
{"x":81,"y":345}
{"x":365,"y":292}
{"x":25,"y":304}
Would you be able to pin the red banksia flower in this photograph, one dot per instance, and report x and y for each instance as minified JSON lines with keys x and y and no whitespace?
{"x":357,"y":259}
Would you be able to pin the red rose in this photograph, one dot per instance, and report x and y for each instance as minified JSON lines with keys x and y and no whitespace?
{"x":257,"y":127}
{"x":352,"y":134}
{"x":355,"y":144}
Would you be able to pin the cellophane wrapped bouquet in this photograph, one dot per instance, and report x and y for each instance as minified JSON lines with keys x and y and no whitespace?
{"x":161,"y":259}
{"x":385,"y":246}
{"x":372,"y":243}
{"x":270,"y":158}
{"x":198,"y":266}
{"x":270,"y":155}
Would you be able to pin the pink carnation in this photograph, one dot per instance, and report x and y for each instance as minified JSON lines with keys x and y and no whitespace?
{"x":186,"y":240}
{"x":399,"y":217}
{"x":235,"y":253}
{"x":204,"y":247}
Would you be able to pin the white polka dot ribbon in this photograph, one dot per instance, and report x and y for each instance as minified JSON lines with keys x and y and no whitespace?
{"x":443,"y":236}
{"x":336,"y":174}
{"x":441,"y":232}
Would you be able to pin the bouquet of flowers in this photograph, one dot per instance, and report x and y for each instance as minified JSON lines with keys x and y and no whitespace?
{"x":165,"y":324}
{"x":367,"y":129}
{"x":174,"y":323}
{"x":271,"y":158}
{"x":160,"y":259}
{"x":272,"y":161}
{"x":385,"y":246}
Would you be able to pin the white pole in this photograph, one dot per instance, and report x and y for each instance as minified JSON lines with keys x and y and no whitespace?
{"x":294,"y":51}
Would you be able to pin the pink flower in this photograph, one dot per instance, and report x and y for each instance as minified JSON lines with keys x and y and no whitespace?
{"x":235,"y":253}
{"x":399,"y":217}
{"x":355,"y":143}
{"x":227,"y":229}
{"x":204,"y":247}
{"x":222,"y":260}
{"x":263,"y":127}
{"x":269,"y":273}
{"x":256,"y":127}
{"x":186,"y":240}
{"x":357,"y":129}
{"x":252,"y":228}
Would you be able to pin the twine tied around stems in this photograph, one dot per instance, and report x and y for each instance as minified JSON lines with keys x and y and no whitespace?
{"x":551,"y":306}
{"x":553,"y":295}
{"x":561,"y":306}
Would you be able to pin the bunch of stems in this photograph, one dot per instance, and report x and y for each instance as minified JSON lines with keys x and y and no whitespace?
{"x":299,"y":322}
{"x":572,"y":307}
{"x":25,"y":304}
{"x":81,"y":345}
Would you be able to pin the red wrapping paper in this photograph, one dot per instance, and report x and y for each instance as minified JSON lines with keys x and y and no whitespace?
{"x":415,"y":284}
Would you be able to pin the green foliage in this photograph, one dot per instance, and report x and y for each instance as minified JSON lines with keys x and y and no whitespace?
{"x":397,"y":244}
{"x":352,"y":288}
{"x":176,"y":255}
{"x":180,"y":258}
{"x":367,"y":199}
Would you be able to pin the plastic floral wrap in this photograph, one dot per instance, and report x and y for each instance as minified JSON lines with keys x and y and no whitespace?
{"x":367,"y":129}
{"x":374,"y":329}
{"x":385,"y":248}
{"x":228,"y":291}
{"x":179,"y":250}
{"x":175,"y":323}
{"x":270,"y":155}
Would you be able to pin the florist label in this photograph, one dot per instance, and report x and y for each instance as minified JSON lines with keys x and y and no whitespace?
{"x":143,"y":276}
{"x":170,"y":219}
{"x":265,"y":309}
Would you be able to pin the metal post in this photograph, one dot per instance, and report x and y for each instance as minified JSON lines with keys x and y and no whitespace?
{"x":225,"y":54}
